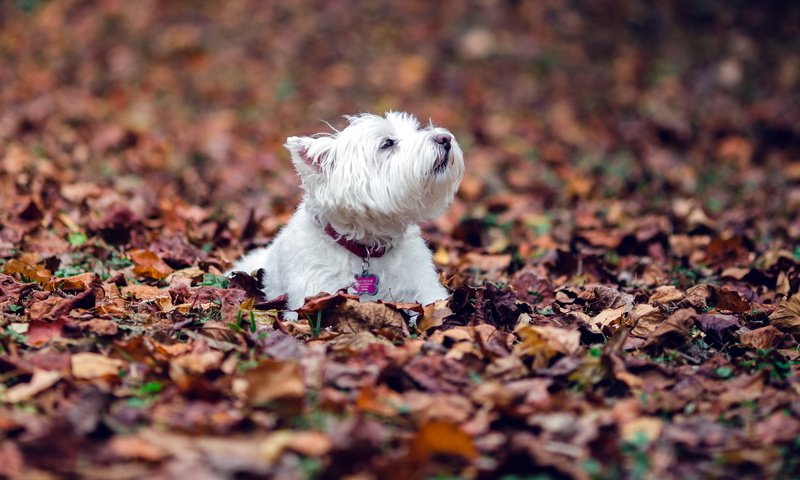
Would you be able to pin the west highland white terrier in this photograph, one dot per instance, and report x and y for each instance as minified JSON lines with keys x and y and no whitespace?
{"x":366,"y":189}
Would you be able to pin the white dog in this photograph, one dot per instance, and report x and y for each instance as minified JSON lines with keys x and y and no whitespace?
{"x":366,"y":188}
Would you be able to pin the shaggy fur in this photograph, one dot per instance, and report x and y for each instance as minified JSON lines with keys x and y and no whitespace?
{"x":372,"y":182}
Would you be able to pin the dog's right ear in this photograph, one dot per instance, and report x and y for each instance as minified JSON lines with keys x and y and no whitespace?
{"x":309,"y":154}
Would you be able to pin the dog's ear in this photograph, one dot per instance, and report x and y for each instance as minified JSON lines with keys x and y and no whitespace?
{"x":309,"y":154}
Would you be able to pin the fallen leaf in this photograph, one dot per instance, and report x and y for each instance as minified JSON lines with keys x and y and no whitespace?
{"x":198,"y":363}
{"x":100,"y":327}
{"x":699,"y":295}
{"x":645,"y":319}
{"x":40,"y":381}
{"x":144,"y":292}
{"x":89,"y":366}
{"x":762,"y":338}
{"x":32,"y":271}
{"x":149,"y":265}
{"x":307,"y":443}
{"x":787,"y":316}
{"x":665,"y":295}
{"x":132,"y":447}
{"x":273,"y":380}
{"x":640,"y":429}
{"x":543,"y":343}
{"x":40,"y":331}
{"x":77,"y":283}
{"x":674,"y":331}
{"x":434,"y":315}
{"x":438,"y":437}
{"x":488,"y":263}
{"x":437,"y":374}
{"x":731,"y":301}
{"x":718,"y":328}
{"x":353,"y":316}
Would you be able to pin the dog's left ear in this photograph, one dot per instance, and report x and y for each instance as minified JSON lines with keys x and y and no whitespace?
{"x":309,"y":154}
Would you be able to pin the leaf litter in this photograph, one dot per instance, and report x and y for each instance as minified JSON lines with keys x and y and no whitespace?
{"x":623,"y":253}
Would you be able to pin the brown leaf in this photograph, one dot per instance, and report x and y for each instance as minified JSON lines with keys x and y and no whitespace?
{"x":434,"y":315}
{"x":787,"y":316}
{"x":198,"y":362}
{"x":642,"y":428}
{"x":89,"y":366}
{"x":273,"y":380}
{"x":437,"y":374}
{"x":488,"y":263}
{"x":144,"y":292}
{"x":665,"y":295}
{"x":149,"y":265}
{"x":251,"y":285}
{"x":438,"y":437}
{"x":731,"y":301}
{"x":100,"y":327}
{"x":353,"y":316}
{"x":778,"y":427}
{"x":762,"y":338}
{"x":674,"y":331}
{"x":355,"y":342}
{"x":130,"y":447}
{"x":26,"y":269}
{"x":278,"y":345}
{"x":40,"y":381}
{"x":12,"y":462}
{"x":645,"y":319}
{"x":77,"y":283}
{"x":601,"y":297}
{"x":307,"y":443}
{"x":40,"y":331}
{"x":323,"y":301}
{"x":543,"y":343}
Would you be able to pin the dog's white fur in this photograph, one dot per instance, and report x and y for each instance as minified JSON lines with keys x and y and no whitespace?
{"x":369,"y":193}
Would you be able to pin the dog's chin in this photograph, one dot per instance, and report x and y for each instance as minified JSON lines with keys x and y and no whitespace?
{"x":441,"y":164}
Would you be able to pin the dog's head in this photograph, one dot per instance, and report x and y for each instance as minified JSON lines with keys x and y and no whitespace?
{"x":378,"y":175}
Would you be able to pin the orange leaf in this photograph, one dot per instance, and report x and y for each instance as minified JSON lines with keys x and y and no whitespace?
{"x":437,"y":437}
{"x":149,"y":265}
{"x":35,"y":272}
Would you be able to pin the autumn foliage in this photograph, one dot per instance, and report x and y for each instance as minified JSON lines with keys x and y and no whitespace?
{"x":624,"y":253}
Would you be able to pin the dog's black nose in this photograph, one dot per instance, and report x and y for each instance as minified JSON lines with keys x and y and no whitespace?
{"x":444,"y":140}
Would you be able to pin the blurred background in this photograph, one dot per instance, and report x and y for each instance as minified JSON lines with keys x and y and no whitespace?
{"x":627,"y":106}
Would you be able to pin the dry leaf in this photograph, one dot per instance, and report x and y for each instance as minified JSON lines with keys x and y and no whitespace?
{"x":353,"y":316}
{"x":647,"y":428}
{"x":543,"y":343}
{"x":645,"y":319}
{"x":130,"y":447}
{"x":31,"y":271}
{"x":40,"y":381}
{"x":434,"y":315}
{"x":665,"y":295}
{"x":89,"y":366}
{"x":787,"y":316}
{"x":149,"y":265}
{"x":144,"y":292}
{"x":438,"y":437}
{"x":762,"y":338}
{"x":272,"y":380}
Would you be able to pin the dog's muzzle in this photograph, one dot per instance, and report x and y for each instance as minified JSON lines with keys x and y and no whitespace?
{"x":443,"y":141}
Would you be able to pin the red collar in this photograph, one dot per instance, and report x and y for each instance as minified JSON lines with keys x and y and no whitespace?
{"x":358,"y":249}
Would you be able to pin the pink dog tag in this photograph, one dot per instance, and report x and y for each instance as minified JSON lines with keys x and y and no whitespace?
{"x":366,"y":283}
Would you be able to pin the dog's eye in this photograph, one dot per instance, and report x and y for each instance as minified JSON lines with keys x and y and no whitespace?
{"x":388,"y":143}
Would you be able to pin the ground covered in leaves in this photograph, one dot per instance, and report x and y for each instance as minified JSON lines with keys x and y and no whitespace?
{"x":624,"y":253}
